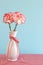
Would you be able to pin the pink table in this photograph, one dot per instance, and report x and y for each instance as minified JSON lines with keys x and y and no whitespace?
{"x":24,"y":59}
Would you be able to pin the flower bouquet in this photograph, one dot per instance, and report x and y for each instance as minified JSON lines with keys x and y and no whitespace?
{"x":13,"y":49}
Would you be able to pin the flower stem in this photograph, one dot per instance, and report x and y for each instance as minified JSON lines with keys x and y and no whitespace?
{"x":9,"y":27}
{"x":15,"y":26}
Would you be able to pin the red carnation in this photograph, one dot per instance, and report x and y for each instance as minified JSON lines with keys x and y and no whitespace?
{"x":8,"y":17}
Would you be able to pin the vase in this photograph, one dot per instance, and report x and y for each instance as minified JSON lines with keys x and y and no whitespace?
{"x":13,"y":48}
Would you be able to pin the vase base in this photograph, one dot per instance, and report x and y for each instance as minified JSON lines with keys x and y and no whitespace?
{"x":12,"y":59}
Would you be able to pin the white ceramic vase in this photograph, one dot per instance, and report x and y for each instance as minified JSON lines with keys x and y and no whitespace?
{"x":13,"y":49}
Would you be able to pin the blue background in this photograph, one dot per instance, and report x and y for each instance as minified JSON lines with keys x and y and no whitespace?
{"x":30,"y":34}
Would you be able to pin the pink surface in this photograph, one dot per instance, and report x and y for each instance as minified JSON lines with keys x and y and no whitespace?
{"x":24,"y":59}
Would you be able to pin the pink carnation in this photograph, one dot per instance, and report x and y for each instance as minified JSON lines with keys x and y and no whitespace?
{"x":18,"y":18}
{"x":8,"y":18}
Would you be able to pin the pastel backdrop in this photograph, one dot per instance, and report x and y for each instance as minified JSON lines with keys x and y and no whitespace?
{"x":30,"y":34}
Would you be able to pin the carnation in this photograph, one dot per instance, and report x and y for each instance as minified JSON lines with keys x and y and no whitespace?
{"x":15,"y":17}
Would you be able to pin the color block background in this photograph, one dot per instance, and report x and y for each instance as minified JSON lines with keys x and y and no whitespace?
{"x":30,"y":34}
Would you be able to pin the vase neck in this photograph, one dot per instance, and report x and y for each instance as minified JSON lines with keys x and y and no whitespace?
{"x":13,"y":36}
{"x":13,"y":33}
